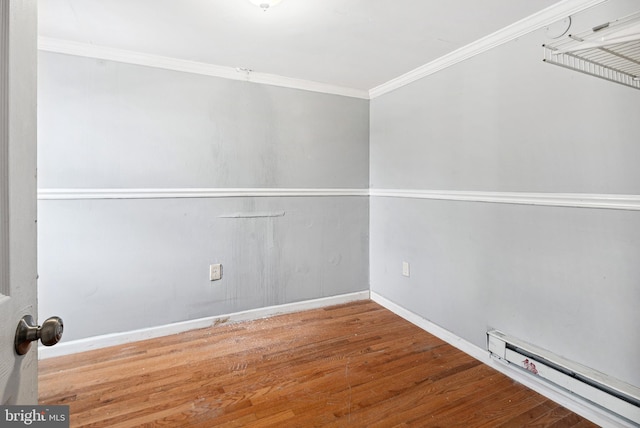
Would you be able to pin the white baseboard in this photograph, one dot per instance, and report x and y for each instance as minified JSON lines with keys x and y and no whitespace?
{"x":576,"y":404}
{"x":572,"y":402}
{"x":97,"y":342}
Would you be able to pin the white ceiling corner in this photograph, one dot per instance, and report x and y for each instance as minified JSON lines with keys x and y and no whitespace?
{"x":345,"y":48}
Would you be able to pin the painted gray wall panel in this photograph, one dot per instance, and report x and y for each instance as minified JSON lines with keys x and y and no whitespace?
{"x":562,"y":278}
{"x":108,"y":124}
{"x":565,"y":279}
{"x":116,"y":265}
{"x":506,"y":121}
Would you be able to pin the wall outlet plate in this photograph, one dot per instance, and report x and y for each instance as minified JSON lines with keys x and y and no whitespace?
{"x":215,"y":272}
{"x":405,"y":268}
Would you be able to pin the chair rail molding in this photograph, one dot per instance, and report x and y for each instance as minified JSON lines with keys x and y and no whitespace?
{"x":171,"y":193}
{"x":572,"y":200}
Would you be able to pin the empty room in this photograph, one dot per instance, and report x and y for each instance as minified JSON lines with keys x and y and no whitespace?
{"x":320,"y":213}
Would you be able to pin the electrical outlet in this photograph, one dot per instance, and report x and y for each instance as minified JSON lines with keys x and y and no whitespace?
{"x":215,"y":272}
{"x":405,"y":268}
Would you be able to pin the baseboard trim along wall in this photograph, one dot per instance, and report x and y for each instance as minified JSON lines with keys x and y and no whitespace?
{"x":560,"y":396}
{"x":98,"y":342}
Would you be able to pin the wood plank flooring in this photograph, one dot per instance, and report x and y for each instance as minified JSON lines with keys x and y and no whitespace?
{"x":354,"y":365}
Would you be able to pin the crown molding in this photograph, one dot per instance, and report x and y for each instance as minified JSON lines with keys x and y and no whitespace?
{"x":524,"y":26}
{"x":571,"y":200}
{"x":138,"y":58}
{"x":531,"y":23}
{"x":171,"y":193}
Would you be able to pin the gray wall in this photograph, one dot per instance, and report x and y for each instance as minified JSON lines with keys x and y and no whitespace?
{"x":108,"y":266}
{"x":563,"y":278}
{"x":106,"y":124}
{"x":566,"y":279}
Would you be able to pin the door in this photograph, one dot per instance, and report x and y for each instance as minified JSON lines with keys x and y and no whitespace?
{"x":18,"y":193}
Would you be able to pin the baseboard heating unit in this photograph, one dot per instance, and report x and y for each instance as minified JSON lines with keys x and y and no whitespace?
{"x":600,"y":389}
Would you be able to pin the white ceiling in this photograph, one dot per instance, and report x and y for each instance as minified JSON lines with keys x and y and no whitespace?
{"x":352,"y":43}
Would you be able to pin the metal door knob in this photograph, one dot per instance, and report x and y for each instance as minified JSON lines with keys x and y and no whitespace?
{"x":49,"y":333}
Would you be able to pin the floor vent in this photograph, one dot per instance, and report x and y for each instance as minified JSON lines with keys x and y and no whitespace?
{"x":603,"y":390}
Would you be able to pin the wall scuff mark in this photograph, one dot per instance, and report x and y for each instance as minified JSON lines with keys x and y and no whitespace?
{"x":253,"y":215}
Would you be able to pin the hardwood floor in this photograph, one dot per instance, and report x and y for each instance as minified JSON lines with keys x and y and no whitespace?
{"x":354,"y":365}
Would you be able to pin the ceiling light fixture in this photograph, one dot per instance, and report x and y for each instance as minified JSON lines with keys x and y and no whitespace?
{"x":265,"y":4}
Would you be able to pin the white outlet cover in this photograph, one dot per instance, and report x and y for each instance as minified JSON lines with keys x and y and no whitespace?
{"x":215,"y":272}
{"x":405,"y":268}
